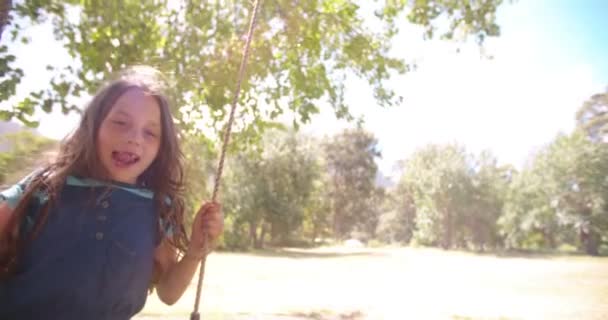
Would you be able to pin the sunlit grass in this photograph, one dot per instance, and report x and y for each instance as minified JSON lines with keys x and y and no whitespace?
{"x":403,"y":283}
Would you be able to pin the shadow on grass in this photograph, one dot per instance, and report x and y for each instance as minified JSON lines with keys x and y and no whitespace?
{"x":313,"y":315}
{"x":308,"y":254}
{"x":457,"y":317}
{"x":536,"y":254}
{"x":326,"y":315}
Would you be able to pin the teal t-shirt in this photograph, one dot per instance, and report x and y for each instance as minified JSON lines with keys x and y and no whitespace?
{"x":14,"y":193}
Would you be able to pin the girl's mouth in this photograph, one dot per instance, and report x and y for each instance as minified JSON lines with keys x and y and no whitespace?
{"x":124,"y":159}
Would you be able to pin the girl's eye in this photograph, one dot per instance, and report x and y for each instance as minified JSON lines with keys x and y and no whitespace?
{"x":119,"y":122}
{"x":150,"y":134}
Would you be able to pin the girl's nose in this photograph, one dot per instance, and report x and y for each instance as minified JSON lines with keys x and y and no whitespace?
{"x":134,"y":136}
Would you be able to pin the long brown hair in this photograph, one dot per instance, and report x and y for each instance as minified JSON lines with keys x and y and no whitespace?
{"x":78,"y":156}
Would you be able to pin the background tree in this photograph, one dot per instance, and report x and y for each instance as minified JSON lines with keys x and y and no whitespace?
{"x":448,"y":197}
{"x":561,"y":197}
{"x":300,"y":55}
{"x":592,"y":116}
{"x":273,"y":191}
{"x":439,"y":179}
{"x":490,"y":183}
{"x":350,"y":159}
{"x":317,"y":224}
{"x":398,"y":223}
{"x":579,"y":170}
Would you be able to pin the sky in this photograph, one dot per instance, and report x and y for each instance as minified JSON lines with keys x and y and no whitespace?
{"x":550,"y":57}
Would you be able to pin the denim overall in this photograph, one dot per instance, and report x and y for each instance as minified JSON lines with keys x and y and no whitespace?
{"x":93,"y":258}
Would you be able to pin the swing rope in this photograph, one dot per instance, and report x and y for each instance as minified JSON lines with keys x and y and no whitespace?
{"x":195,"y":314}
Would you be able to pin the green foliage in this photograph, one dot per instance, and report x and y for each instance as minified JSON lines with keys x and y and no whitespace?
{"x":22,"y":149}
{"x":273,"y":192}
{"x":439,"y":180}
{"x":452,"y":199}
{"x":579,"y":172}
{"x":592,"y":116}
{"x":300,"y":53}
{"x":316,"y":224}
{"x":397,"y":224}
{"x":464,"y":17}
{"x":561,"y":197}
{"x":236,"y":236}
{"x":197,"y":169}
{"x":350,"y":160}
{"x":457,"y":197}
{"x":282,"y":187}
{"x":490,"y":183}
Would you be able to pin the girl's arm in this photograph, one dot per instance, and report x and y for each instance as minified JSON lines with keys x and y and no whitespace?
{"x":175,"y":276}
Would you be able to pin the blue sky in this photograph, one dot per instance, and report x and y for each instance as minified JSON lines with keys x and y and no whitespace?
{"x":550,"y":57}
{"x":548,"y":60}
{"x":576,"y":30}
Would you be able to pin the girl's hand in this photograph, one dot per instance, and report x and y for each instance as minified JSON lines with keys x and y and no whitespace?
{"x":206,"y":229}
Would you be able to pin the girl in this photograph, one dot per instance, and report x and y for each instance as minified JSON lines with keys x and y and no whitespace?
{"x":86,"y":236}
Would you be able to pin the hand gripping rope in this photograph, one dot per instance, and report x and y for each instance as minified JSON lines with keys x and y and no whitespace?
{"x":195,"y":314}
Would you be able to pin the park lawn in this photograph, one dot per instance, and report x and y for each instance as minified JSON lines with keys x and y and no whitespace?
{"x":394,"y":283}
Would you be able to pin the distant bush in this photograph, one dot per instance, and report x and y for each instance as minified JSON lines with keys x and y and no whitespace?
{"x":295,"y":242}
{"x":375,"y":243}
{"x":235,"y":236}
{"x":21,"y":150}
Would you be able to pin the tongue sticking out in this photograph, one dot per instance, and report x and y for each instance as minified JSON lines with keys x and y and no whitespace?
{"x":124,"y":158}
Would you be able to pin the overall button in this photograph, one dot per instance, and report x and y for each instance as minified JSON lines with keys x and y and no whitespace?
{"x":105,"y":204}
{"x":99,"y":235}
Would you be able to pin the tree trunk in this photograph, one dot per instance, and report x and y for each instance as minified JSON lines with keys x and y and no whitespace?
{"x":253,"y":235}
{"x":549,"y":238}
{"x":315,"y":232}
{"x":263,"y":236}
{"x":338,"y":221}
{"x":447,"y":231}
{"x":5,"y":7}
{"x":590,"y":241}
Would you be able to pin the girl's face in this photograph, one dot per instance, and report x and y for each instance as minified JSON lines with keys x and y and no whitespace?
{"x":129,"y":137}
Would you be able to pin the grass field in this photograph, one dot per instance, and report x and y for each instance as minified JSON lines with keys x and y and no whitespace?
{"x":394,"y":283}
